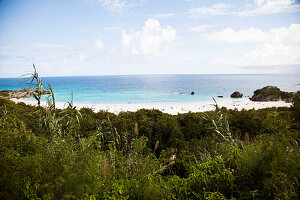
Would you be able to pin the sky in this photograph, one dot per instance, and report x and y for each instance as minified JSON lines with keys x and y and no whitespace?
{"x":122,"y":37}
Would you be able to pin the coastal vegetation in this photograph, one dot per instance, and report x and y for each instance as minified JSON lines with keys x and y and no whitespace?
{"x":271,"y":93}
{"x":51,"y":153}
{"x":22,"y":93}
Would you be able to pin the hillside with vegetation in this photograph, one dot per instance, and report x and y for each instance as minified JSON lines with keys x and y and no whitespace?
{"x":50,"y":153}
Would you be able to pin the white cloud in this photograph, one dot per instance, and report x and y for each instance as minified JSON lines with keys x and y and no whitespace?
{"x":264,"y":7}
{"x":257,"y":7}
{"x":282,"y":48}
{"x":114,"y":5}
{"x":277,"y":47}
{"x":214,"y":10}
{"x":151,"y":40}
{"x":118,"y":5}
{"x":201,"y":28}
{"x":164,"y":15}
{"x":99,"y":44}
{"x":232,"y":36}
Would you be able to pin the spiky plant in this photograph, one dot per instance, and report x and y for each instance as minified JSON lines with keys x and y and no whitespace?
{"x":36,"y":81}
{"x":51,"y":119}
{"x":51,"y":97}
{"x":220,"y":125}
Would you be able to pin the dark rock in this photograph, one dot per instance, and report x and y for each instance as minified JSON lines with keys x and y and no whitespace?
{"x":192,"y":93}
{"x":271,"y":93}
{"x":236,"y":94}
{"x":220,"y":96}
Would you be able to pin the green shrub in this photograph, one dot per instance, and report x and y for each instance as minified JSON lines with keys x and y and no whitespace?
{"x":210,"y":176}
{"x":127,"y":156}
{"x":3,"y":94}
{"x":267,"y":171}
{"x":296,"y":105}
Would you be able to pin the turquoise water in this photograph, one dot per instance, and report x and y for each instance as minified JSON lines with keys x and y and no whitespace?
{"x":154,"y":88}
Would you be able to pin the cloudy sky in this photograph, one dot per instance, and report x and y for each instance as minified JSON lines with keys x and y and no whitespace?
{"x":108,"y":37}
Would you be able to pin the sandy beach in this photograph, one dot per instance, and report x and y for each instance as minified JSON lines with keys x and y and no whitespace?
{"x":172,"y":108}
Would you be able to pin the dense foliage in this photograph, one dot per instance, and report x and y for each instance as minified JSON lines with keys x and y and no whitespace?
{"x":48,"y":153}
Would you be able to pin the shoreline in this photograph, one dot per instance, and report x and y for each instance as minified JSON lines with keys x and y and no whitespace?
{"x":170,"y":108}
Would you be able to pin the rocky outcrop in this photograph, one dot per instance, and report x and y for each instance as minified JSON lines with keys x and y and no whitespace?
{"x":271,"y":93}
{"x":236,"y":94}
{"x":192,"y":93}
{"x":23,"y":93}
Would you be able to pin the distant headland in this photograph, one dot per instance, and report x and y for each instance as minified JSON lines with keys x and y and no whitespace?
{"x":21,"y":94}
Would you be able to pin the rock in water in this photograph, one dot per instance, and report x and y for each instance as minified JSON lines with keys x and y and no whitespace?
{"x":271,"y":93}
{"x":236,"y":94}
{"x":192,"y":93}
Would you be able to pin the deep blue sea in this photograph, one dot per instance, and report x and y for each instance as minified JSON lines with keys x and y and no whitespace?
{"x":154,"y":88}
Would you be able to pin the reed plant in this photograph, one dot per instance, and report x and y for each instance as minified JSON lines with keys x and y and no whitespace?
{"x":220,"y":125}
{"x":36,"y":81}
{"x":52,"y":121}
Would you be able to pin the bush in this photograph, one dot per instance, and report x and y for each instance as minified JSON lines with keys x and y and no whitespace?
{"x":127,"y":156}
{"x":3,"y":94}
{"x":209,"y":177}
{"x":296,"y":105}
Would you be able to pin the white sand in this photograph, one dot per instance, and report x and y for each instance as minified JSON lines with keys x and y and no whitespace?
{"x":172,"y":108}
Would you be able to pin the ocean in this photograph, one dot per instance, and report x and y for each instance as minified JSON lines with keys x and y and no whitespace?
{"x":154,"y":88}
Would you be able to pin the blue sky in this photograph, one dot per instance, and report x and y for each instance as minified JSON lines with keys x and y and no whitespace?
{"x":112,"y":37}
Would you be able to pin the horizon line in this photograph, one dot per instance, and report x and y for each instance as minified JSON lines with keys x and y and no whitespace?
{"x":62,"y":76}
